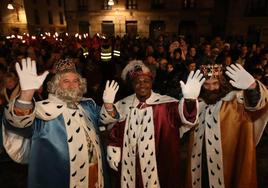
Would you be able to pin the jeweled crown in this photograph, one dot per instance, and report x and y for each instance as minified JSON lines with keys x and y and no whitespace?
{"x":65,"y":65}
{"x":211,"y":70}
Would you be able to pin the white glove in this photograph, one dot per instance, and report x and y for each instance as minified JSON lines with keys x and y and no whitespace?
{"x":240,"y":78}
{"x":113,"y":156}
{"x":110,"y":91}
{"x":27,"y":75}
{"x":192,"y":88}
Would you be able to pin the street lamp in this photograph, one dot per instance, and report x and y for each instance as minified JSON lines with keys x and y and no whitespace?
{"x":10,"y":5}
{"x":110,"y":2}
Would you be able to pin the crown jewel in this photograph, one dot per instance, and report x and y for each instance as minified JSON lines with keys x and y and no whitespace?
{"x":211,"y":70}
{"x":65,"y":65}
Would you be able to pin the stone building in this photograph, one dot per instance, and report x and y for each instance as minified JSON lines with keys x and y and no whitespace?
{"x":246,"y":18}
{"x":143,"y":17}
{"x":32,"y":16}
{"x":191,"y":18}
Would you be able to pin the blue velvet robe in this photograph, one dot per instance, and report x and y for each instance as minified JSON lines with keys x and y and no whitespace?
{"x":49,"y":164}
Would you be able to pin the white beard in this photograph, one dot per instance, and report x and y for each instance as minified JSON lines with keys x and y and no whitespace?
{"x":69,"y":95}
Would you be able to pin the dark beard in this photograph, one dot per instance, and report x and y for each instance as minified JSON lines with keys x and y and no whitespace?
{"x":211,"y":97}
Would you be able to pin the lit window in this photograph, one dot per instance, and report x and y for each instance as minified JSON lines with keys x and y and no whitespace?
{"x":132,"y":4}
{"x":106,"y":6}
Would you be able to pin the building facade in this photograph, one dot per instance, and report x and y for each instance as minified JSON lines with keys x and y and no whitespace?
{"x":13,"y":21}
{"x":140,"y":17}
{"x":191,"y":18}
{"x":45,"y":16}
{"x":32,"y":16}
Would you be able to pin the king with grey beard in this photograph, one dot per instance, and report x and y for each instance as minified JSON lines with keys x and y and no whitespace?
{"x":70,"y":96}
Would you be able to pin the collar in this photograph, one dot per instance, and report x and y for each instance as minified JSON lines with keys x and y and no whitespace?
{"x":154,"y":99}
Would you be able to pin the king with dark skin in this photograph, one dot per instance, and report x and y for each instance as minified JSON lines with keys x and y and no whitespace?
{"x":142,"y":86}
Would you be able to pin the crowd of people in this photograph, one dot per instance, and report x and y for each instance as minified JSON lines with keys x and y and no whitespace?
{"x":81,"y":120}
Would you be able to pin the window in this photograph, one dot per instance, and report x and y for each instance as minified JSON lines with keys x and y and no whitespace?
{"x":132,"y":4}
{"x":48,"y":2}
{"x":1,"y":17}
{"x":82,"y":5}
{"x":50,"y":18}
{"x":36,"y":17}
{"x":157,"y":27}
{"x":59,"y":3}
{"x":189,"y":4}
{"x":106,"y":6}
{"x":257,"y":8}
{"x":83,"y":27}
{"x":131,"y":28}
{"x":158,"y":4}
{"x":107,"y":27}
{"x":61,"y":18}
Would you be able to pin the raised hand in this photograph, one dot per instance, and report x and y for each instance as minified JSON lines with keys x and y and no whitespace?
{"x":240,"y":78}
{"x":110,"y":92}
{"x":29,"y":80}
{"x":192,"y":88}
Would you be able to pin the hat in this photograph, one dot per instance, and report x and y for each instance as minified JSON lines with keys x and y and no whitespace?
{"x":65,"y":65}
{"x":135,"y":68}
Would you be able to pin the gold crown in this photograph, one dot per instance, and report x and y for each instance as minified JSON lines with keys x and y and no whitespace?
{"x":65,"y":65}
{"x":211,"y":70}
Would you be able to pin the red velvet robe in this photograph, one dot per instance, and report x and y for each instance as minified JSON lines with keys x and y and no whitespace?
{"x":167,"y":145}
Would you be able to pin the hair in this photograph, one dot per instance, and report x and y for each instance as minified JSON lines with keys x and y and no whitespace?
{"x":53,"y":85}
{"x":177,"y":50}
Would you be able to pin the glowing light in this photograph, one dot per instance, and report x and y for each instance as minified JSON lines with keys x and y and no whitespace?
{"x":110,"y":2}
{"x":10,"y":6}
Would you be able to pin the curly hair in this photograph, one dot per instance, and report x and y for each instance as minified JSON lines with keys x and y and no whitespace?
{"x":69,"y":95}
